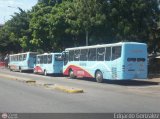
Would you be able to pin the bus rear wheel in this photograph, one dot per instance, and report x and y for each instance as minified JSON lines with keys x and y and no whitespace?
{"x":20,"y":70}
{"x":71,"y":74}
{"x":99,"y":77}
{"x":45,"y":72}
{"x":10,"y":68}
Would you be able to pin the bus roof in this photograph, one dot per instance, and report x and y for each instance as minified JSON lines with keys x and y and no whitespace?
{"x":49,"y":54}
{"x":105,"y":45}
{"x":23,"y":53}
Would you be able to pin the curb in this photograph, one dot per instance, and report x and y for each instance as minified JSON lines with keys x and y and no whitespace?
{"x":42,"y":83}
{"x":30,"y":81}
{"x":67,"y":89}
{"x":26,"y":80}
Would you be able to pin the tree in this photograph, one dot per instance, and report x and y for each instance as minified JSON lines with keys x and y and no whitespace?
{"x":13,"y":30}
{"x":53,"y":25}
{"x":58,"y":26}
{"x":49,"y":2}
{"x":132,"y":20}
{"x":84,"y":16}
{"x":39,"y":27}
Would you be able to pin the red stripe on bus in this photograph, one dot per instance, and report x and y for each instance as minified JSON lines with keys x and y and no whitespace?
{"x":78,"y":71}
{"x":38,"y":69}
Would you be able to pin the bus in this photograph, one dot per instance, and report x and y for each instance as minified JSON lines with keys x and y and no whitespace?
{"x":49,"y":63}
{"x":22,"y":61}
{"x":117,"y":61}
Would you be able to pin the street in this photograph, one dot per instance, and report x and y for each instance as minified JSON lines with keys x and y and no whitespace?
{"x":129,"y":96}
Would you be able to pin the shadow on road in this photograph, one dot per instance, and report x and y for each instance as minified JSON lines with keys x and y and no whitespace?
{"x":114,"y":82}
{"x":124,"y":82}
{"x":131,"y":82}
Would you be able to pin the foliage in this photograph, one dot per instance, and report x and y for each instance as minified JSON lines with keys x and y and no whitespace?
{"x":53,"y":25}
{"x":85,"y":16}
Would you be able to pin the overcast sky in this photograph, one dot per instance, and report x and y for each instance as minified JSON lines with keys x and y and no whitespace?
{"x":6,"y":12}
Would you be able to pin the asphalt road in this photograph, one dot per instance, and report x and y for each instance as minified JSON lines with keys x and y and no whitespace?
{"x":108,"y":97}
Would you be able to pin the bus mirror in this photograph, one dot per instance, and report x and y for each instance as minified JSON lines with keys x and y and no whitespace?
{"x":63,"y":55}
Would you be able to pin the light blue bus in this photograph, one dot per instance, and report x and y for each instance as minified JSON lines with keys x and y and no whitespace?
{"x":117,"y":61}
{"x":49,"y":63}
{"x":22,"y":61}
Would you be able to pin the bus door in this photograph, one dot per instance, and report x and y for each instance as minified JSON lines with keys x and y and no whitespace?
{"x":31,"y":60}
{"x":58,"y":63}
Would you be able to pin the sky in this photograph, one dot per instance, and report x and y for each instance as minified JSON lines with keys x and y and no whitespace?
{"x":8,"y":7}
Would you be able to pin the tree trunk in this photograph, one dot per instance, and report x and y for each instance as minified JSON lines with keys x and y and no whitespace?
{"x":86,"y":38}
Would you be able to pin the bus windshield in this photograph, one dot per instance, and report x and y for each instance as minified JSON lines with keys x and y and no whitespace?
{"x":58,"y":58}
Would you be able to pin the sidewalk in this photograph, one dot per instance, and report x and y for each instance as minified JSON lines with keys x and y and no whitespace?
{"x":151,"y":79}
{"x":156,"y":80}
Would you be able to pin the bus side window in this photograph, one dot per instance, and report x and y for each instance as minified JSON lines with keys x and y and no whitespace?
{"x":92,"y":54}
{"x":76,"y":55}
{"x":84,"y":55}
{"x":24,"y":57}
{"x":16,"y":57}
{"x":108,"y":54}
{"x":20,"y":57}
{"x":71,"y":55}
{"x":116,"y":52}
{"x":13,"y":58}
{"x":38,"y":59}
{"x":45,"y":59}
{"x":41,"y":59}
{"x":100,"y":54}
{"x":49,"y":59}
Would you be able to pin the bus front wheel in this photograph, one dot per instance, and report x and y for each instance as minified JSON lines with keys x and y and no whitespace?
{"x":99,"y":77}
{"x":71,"y":74}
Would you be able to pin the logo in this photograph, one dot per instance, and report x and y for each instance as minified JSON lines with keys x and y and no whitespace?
{"x":4,"y":116}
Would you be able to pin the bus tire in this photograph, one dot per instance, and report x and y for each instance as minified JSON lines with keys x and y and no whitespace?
{"x":34,"y":71}
{"x":45,"y":72}
{"x":71,"y":74}
{"x":10,"y":68}
{"x":20,"y":70}
{"x":99,"y":76}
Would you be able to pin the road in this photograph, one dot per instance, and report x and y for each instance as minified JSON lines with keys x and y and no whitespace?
{"x":19,"y":97}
